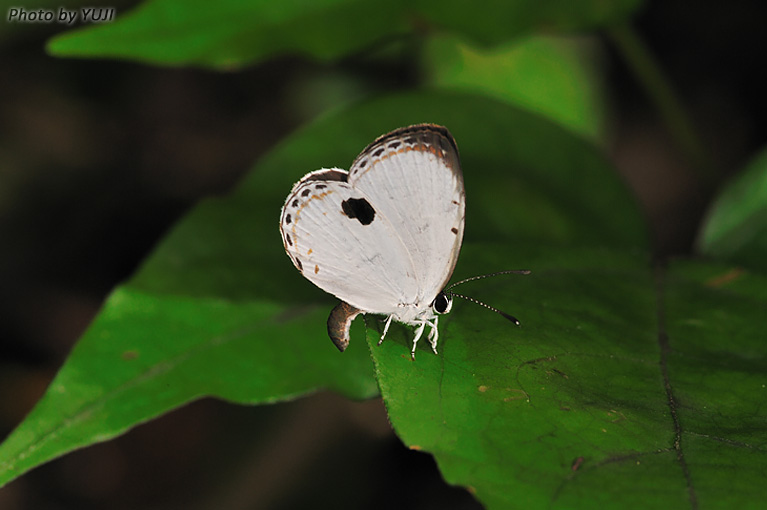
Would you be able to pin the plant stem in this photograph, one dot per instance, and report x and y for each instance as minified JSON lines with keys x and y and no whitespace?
{"x":649,"y":74}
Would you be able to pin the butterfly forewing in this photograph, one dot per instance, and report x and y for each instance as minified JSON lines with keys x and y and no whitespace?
{"x":388,"y":232}
{"x":413,"y":176}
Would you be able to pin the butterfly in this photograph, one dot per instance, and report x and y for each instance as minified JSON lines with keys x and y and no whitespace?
{"x":383,"y":237}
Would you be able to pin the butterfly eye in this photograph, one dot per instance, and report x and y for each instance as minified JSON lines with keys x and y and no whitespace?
{"x":442,"y":303}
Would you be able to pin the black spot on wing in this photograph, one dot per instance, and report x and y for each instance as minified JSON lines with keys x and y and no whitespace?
{"x":359,"y":209}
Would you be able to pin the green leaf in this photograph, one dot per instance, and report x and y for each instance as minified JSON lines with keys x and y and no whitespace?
{"x":147,"y":354}
{"x":234,"y":33}
{"x":547,"y":75}
{"x":231,"y":33}
{"x":621,"y":389}
{"x":736,"y":224}
{"x":218,"y":310}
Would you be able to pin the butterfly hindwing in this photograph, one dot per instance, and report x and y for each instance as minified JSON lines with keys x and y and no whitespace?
{"x":337,"y":240}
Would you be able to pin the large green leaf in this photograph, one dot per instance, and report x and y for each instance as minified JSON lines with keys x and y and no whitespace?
{"x":219,"y":310}
{"x":234,"y":33}
{"x":147,"y":354}
{"x":621,"y":389}
{"x":736,"y":225}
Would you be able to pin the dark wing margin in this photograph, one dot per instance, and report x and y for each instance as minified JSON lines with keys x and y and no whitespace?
{"x":427,"y":137}
{"x":418,"y":130}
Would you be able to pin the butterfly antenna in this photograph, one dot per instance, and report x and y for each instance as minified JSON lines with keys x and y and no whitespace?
{"x":480,"y":277}
{"x":480,"y":303}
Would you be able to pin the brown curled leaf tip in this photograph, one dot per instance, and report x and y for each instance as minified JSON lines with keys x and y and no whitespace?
{"x":339,"y":322}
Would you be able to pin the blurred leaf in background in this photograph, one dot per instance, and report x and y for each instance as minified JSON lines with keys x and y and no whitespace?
{"x":736,"y":226}
{"x":232,"y":33}
{"x":554,"y":77}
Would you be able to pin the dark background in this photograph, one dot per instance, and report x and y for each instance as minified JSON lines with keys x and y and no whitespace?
{"x":99,"y":158}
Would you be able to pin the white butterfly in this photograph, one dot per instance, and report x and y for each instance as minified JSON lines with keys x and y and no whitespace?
{"x":383,"y":237}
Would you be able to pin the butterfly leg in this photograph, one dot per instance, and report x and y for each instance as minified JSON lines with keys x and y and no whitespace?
{"x":434,"y":335}
{"x":386,"y":328}
{"x":418,"y":333}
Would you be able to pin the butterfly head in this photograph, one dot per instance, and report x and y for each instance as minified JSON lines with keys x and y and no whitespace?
{"x":443,"y":303}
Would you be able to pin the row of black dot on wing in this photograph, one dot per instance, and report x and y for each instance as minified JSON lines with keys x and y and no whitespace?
{"x":423,"y":137}
{"x":312,"y":186}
